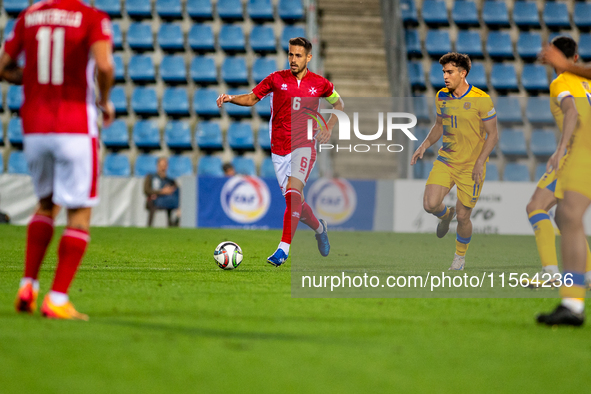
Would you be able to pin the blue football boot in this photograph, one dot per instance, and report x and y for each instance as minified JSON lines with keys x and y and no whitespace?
{"x":278,"y":258}
{"x":322,"y":239}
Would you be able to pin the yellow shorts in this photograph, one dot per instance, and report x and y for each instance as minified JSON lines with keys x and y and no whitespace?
{"x":552,"y":182}
{"x":576,"y":174}
{"x":444,"y":175}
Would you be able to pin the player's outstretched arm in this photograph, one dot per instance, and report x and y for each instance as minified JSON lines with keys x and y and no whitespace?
{"x":245,"y":100}
{"x":569,"y":124}
{"x":10,"y":71}
{"x":103,"y":56}
{"x":434,"y":135}
{"x":492,"y":138}
{"x":554,"y":57}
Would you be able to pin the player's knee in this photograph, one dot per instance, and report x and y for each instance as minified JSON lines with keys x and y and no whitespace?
{"x":430,"y":206}
{"x":532,"y":206}
{"x":565,"y":214}
{"x":463,"y":216}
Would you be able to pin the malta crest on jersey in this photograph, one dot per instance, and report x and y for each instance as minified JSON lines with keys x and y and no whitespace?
{"x":312,"y":91}
{"x":467,"y":105}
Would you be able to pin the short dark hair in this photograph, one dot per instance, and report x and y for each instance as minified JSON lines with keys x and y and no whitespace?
{"x":301,"y":42}
{"x":566,"y":45}
{"x":227,"y":166}
{"x":459,"y":60}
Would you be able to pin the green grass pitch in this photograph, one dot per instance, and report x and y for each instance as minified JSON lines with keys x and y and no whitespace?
{"x":164,"y":318}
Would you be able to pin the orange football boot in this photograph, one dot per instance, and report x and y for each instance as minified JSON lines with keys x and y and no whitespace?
{"x":66,"y":311}
{"x":26,"y":299}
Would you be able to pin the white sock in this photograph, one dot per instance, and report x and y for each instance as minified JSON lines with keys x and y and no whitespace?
{"x":25,"y":281}
{"x":58,"y":299}
{"x":320,"y":229}
{"x":574,"y":304}
{"x":588,"y":277}
{"x":551,"y":269}
{"x":284,"y":246}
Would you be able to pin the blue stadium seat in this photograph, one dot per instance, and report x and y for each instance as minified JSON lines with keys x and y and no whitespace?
{"x":465,"y":14}
{"x":585,"y":46}
{"x":290,"y":10}
{"x":17,"y":164}
{"x":172,"y":69}
{"x":542,"y":143}
{"x":139,"y":36}
{"x":119,"y":99}
{"x":494,"y":14}
{"x":540,"y":171}
{"x":203,"y":70}
{"x":116,"y":164}
{"x":179,"y":166}
{"x":529,"y":45}
{"x":208,"y":136}
{"x":138,"y":9}
{"x":177,"y":135}
{"x":262,"y":67}
{"x":210,"y":166}
{"x":204,"y":102}
{"x":145,"y":164}
{"x":240,"y":137}
{"x":111,"y":7}
{"x":237,"y":111}
{"x":525,"y":15}
{"x":516,"y":172}
{"x":437,"y":43}
{"x":169,"y":9}
{"x":435,"y":13}
{"x":117,"y":36}
{"x":144,"y":101}
{"x":14,"y":132}
{"x":413,"y":43}
{"x":119,"y":68}
{"x":260,"y":10}
{"x":416,"y":75}
{"x":244,"y":166}
{"x":582,"y":16}
{"x":556,"y":16}
{"x":499,"y":46}
{"x":503,"y":77}
{"x":534,"y":78}
{"x":115,"y":136}
{"x":422,"y":108}
{"x":436,"y":76}
{"x":470,"y":43}
{"x":15,"y":97}
{"x":264,"y":137}
{"x":231,"y":39}
{"x":492,"y":172}
{"x":200,"y":38}
{"x":267,"y":170}
{"x":141,"y":69}
{"x":234,"y":71}
{"x":170,"y":37}
{"x":477,"y":76}
{"x":512,"y":143}
{"x":509,"y":110}
{"x":200,"y":10}
{"x":1,"y":163}
{"x":14,"y":7}
{"x":538,"y":112}
{"x":262,"y":39}
{"x":8,"y":27}
{"x":146,"y":135}
{"x":409,"y":13}
{"x":175,"y":102}
{"x":421,"y":133}
{"x":263,"y":107}
{"x":230,"y":10}
{"x":290,"y":32}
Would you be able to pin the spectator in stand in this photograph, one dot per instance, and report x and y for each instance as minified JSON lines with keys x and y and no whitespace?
{"x":161,"y":193}
{"x":229,"y":169}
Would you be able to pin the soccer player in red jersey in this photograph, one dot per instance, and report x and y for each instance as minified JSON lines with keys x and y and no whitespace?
{"x":65,"y":44}
{"x":295,"y":94}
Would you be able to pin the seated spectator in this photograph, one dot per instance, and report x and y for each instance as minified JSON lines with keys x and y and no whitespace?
{"x":161,"y":193}
{"x":229,"y":169}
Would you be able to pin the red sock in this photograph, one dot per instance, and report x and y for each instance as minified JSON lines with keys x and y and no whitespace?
{"x":39,"y":234}
{"x":291,"y":218}
{"x":70,"y":252}
{"x":308,"y":217}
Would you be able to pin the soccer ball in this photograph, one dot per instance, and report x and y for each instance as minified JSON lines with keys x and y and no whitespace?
{"x":228,"y":255}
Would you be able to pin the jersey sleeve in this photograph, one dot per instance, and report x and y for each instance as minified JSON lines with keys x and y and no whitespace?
{"x":487,"y":109}
{"x":264,"y":87}
{"x":100,"y":28}
{"x":15,"y":41}
{"x":559,"y":89}
{"x":439,"y":99}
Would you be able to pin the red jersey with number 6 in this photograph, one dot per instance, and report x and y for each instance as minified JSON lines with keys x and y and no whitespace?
{"x":293,"y":102}
{"x":58,"y":78}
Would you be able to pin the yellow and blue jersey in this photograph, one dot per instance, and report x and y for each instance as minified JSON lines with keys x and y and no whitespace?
{"x":463,"y":125}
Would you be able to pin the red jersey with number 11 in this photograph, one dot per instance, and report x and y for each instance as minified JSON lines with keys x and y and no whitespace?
{"x":290,"y":96}
{"x":58,"y":78}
